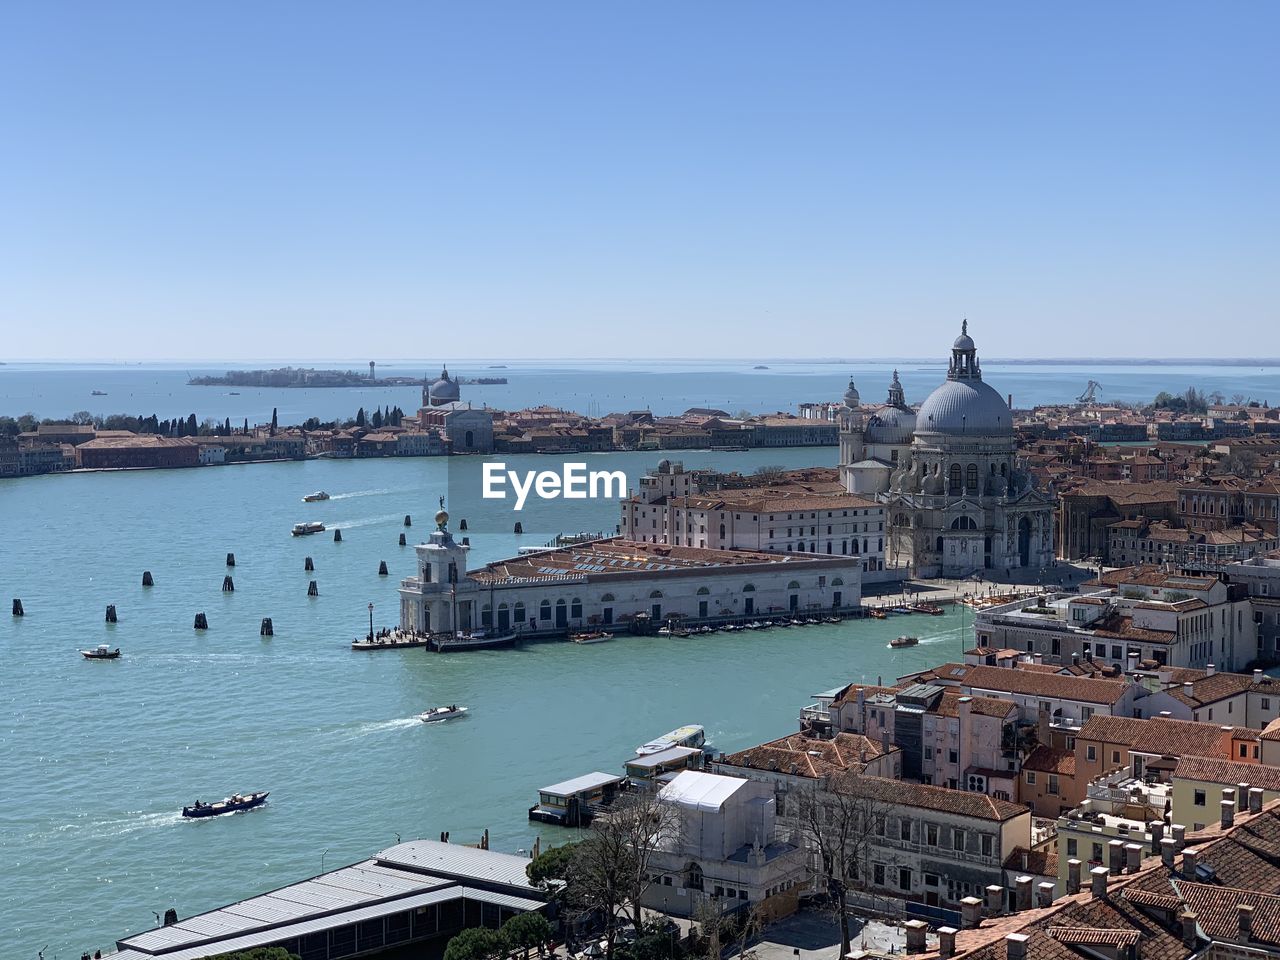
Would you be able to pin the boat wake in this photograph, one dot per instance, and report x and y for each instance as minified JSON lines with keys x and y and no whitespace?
{"x":133,"y":821}
{"x":382,"y":726}
{"x":380,"y":491}
{"x":361,"y":522}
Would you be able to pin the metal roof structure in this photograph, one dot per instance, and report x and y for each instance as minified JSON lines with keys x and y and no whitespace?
{"x":405,"y":877}
{"x":588,"y":781}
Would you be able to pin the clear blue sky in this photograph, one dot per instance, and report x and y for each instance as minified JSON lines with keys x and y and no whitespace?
{"x":543,"y":179}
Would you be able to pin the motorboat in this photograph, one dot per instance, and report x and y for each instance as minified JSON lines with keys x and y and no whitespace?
{"x":98,"y":393}
{"x":101,"y":652}
{"x":904,"y":642}
{"x":313,"y":497}
{"x":878,"y":614}
{"x":437,"y":714}
{"x":598,"y":637}
{"x":233,"y":804}
{"x":306,"y":529}
{"x":831,"y":620}
{"x":479,"y":640}
{"x":690,"y":735}
{"x":930,"y":608}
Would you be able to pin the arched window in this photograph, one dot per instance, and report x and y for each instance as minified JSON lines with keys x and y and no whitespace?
{"x":838,"y":582}
{"x":793,"y":585}
{"x":722,"y":531}
{"x":703,"y":592}
{"x":1003,"y":470}
{"x":467,"y":439}
{"x":575,"y":608}
{"x":749,"y":588}
{"x":607,"y":598}
{"x":655,"y":595}
{"x":544,"y":610}
{"x":519,"y":612}
{"x":953,"y":485}
{"x":971,"y":478}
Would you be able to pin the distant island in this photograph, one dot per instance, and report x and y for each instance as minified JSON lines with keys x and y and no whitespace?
{"x":310,"y":377}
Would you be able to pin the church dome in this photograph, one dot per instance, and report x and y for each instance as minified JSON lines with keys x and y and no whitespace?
{"x":851,"y":398}
{"x":443,"y":390}
{"x":964,"y":404}
{"x":891,"y":425}
{"x":963,"y":407}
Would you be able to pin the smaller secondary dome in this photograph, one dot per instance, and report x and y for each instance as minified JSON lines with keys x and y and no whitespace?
{"x":444,"y":390}
{"x":851,"y":397}
{"x":964,"y":341}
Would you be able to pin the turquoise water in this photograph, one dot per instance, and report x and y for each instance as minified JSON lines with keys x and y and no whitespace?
{"x":98,"y":757}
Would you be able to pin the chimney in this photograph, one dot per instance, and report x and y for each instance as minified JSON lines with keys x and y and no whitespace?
{"x":1133,"y":857}
{"x":1228,"y":819}
{"x":1257,"y":675}
{"x":1073,"y":876}
{"x":995,"y":899}
{"x":1115,"y":855}
{"x":946,"y":942}
{"x":1015,"y":946}
{"x":1099,"y":882}
{"x":916,"y":930}
{"x":1242,"y":796}
{"x":1179,"y":834}
{"x":1167,"y":714}
{"x":1189,"y":689}
{"x":1075,"y":659}
{"x":970,"y":913}
{"x":1190,"y":857}
{"x":1255,"y":799}
{"x":1022,"y":892}
{"x":1188,"y":928}
{"x":1210,"y":669}
{"x":1156,"y":829}
{"x":1045,"y":892}
{"x":1168,"y":849}
{"x":1244,"y":915}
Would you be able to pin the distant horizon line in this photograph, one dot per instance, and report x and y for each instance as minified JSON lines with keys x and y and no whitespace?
{"x":419,"y":361}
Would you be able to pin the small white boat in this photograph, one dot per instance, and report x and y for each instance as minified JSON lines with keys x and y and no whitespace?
{"x":306,"y":529}
{"x":591,"y":637}
{"x":904,"y":642}
{"x":436,"y":714}
{"x":102,"y":652}
{"x":313,"y":497}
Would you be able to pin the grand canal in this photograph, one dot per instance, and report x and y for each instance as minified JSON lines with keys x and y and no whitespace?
{"x":98,"y":757}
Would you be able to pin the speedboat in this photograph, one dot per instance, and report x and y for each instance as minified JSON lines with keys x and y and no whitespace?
{"x":306,"y":529}
{"x":932,"y":609}
{"x":233,"y":804}
{"x":436,"y":714}
{"x":591,"y":637}
{"x":878,"y":614}
{"x":904,"y":642}
{"x":313,"y":497}
{"x":102,"y":652}
{"x":831,"y":620}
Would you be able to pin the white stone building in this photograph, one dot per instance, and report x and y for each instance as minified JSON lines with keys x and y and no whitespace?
{"x":672,"y":506}
{"x":615,"y":581}
{"x":958,"y":500}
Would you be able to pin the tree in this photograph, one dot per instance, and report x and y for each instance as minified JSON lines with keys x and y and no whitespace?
{"x":258,"y":953}
{"x":551,"y":864}
{"x":246,"y":426}
{"x":226,"y":427}
{"x":27,"y":423}
{"x":82,"y":417}
{"x":769,"y":473}
{"x":840,"y":819}
{"x":526,"y":931}
{"x":377,"y":419}
{"x":275,"y":420}
{"x":360,"y":420}
{"x":476,"y":943}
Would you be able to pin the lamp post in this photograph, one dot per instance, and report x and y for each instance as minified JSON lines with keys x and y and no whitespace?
{"x":370,"y":621}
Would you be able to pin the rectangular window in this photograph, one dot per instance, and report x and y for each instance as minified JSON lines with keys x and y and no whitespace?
{"x":1199,"y":798}
{"x":931,"y":834}
{"x":1053,"y":784}
{"x":877,"y":874}
{"x":1115,"y":756}
{"x":1072,"y":846}
{"x":904,"y":829}
{"x":1091,"y":753}
{"x":904,"y":878}
{"x":988,"y":845}
{"x":957,"y":840}
{"x":1031,"y":777}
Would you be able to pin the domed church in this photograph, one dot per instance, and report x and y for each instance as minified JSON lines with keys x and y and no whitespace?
{"x":958,"y":500}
